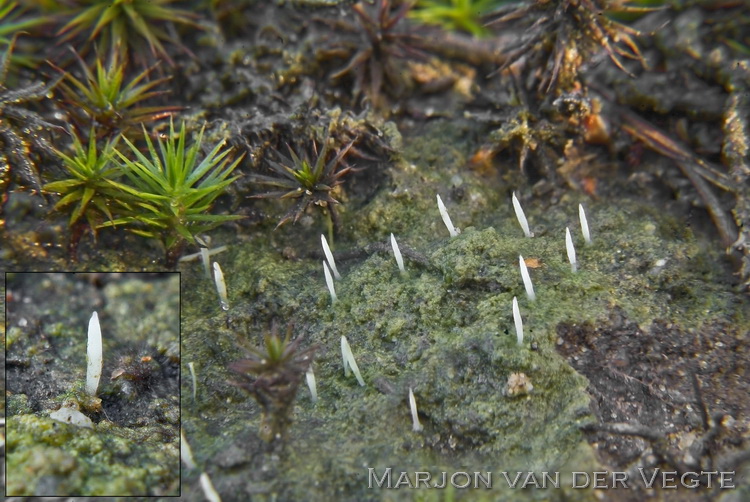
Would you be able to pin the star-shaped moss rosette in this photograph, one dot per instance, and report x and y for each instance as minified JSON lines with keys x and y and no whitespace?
{"x":124,"y":25}
{"x":104,"y":97}
{"x":560,"y":35}
{"x":170,"y":191}
{"x":374,"y":62}
{"x":87,"y":189}
{"x":311,"y":178}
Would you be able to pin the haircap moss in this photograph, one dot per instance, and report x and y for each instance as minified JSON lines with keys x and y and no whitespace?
{"x":271,"y":374}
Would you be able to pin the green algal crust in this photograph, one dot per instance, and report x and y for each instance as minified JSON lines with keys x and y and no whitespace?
{"x":68,"y":459}
{"x":445,"y":330}
{"x":133,"y":449}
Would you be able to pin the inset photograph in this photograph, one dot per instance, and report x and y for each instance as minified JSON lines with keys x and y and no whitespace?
{"x":92,"y":364}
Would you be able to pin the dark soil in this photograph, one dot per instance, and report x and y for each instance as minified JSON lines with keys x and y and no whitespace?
{"x":664,"y":397}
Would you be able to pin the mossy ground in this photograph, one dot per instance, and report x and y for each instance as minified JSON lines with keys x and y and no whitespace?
{"x":444,"y":329}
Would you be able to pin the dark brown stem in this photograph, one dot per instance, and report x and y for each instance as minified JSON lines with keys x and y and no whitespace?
{"x":173,"y":254}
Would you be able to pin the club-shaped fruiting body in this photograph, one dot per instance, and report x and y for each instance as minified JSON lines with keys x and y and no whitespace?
{"x":521,"y":217}
{"x":349,"y":362}
{"x":584,"y":224}
{"x":416,"y":426}
{"x":221,"y":286}
{"x":204,"y":256}
{"x":206,"y":262}
{"x":208,"y":489}
{"x":329,"y":282}
{"x":93,"y":356}
{"x":446,"y":219}
{"x":72,"y":416}
{"x":570,"y":249}
{"x":329,"y":256}
{"x":311,"y":384}
{"x":526,"y":279}
{"x":397,"y":254}
{"x":195,"y":381}
{"x":186,"y":454}
{"x":518,"y":322}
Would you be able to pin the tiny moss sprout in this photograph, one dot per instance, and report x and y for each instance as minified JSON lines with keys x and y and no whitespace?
{"x":349,"y":362}
{"x":571,"y":251}
{"x":517,"y":321}
{"x":312,"y":384}
{"x":221,"y":286}
{"x":329,"y":256}
{"x":453,"y":231}
{"x":584,"y":224}
{"x":460,"y":15}
{"x":271,"y":375}
{"x":208,"y":488}
{"x":397,"y":255}
{"x":186,"y":453}
{"x":521,"y":216}
{"x":191,"y":366}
